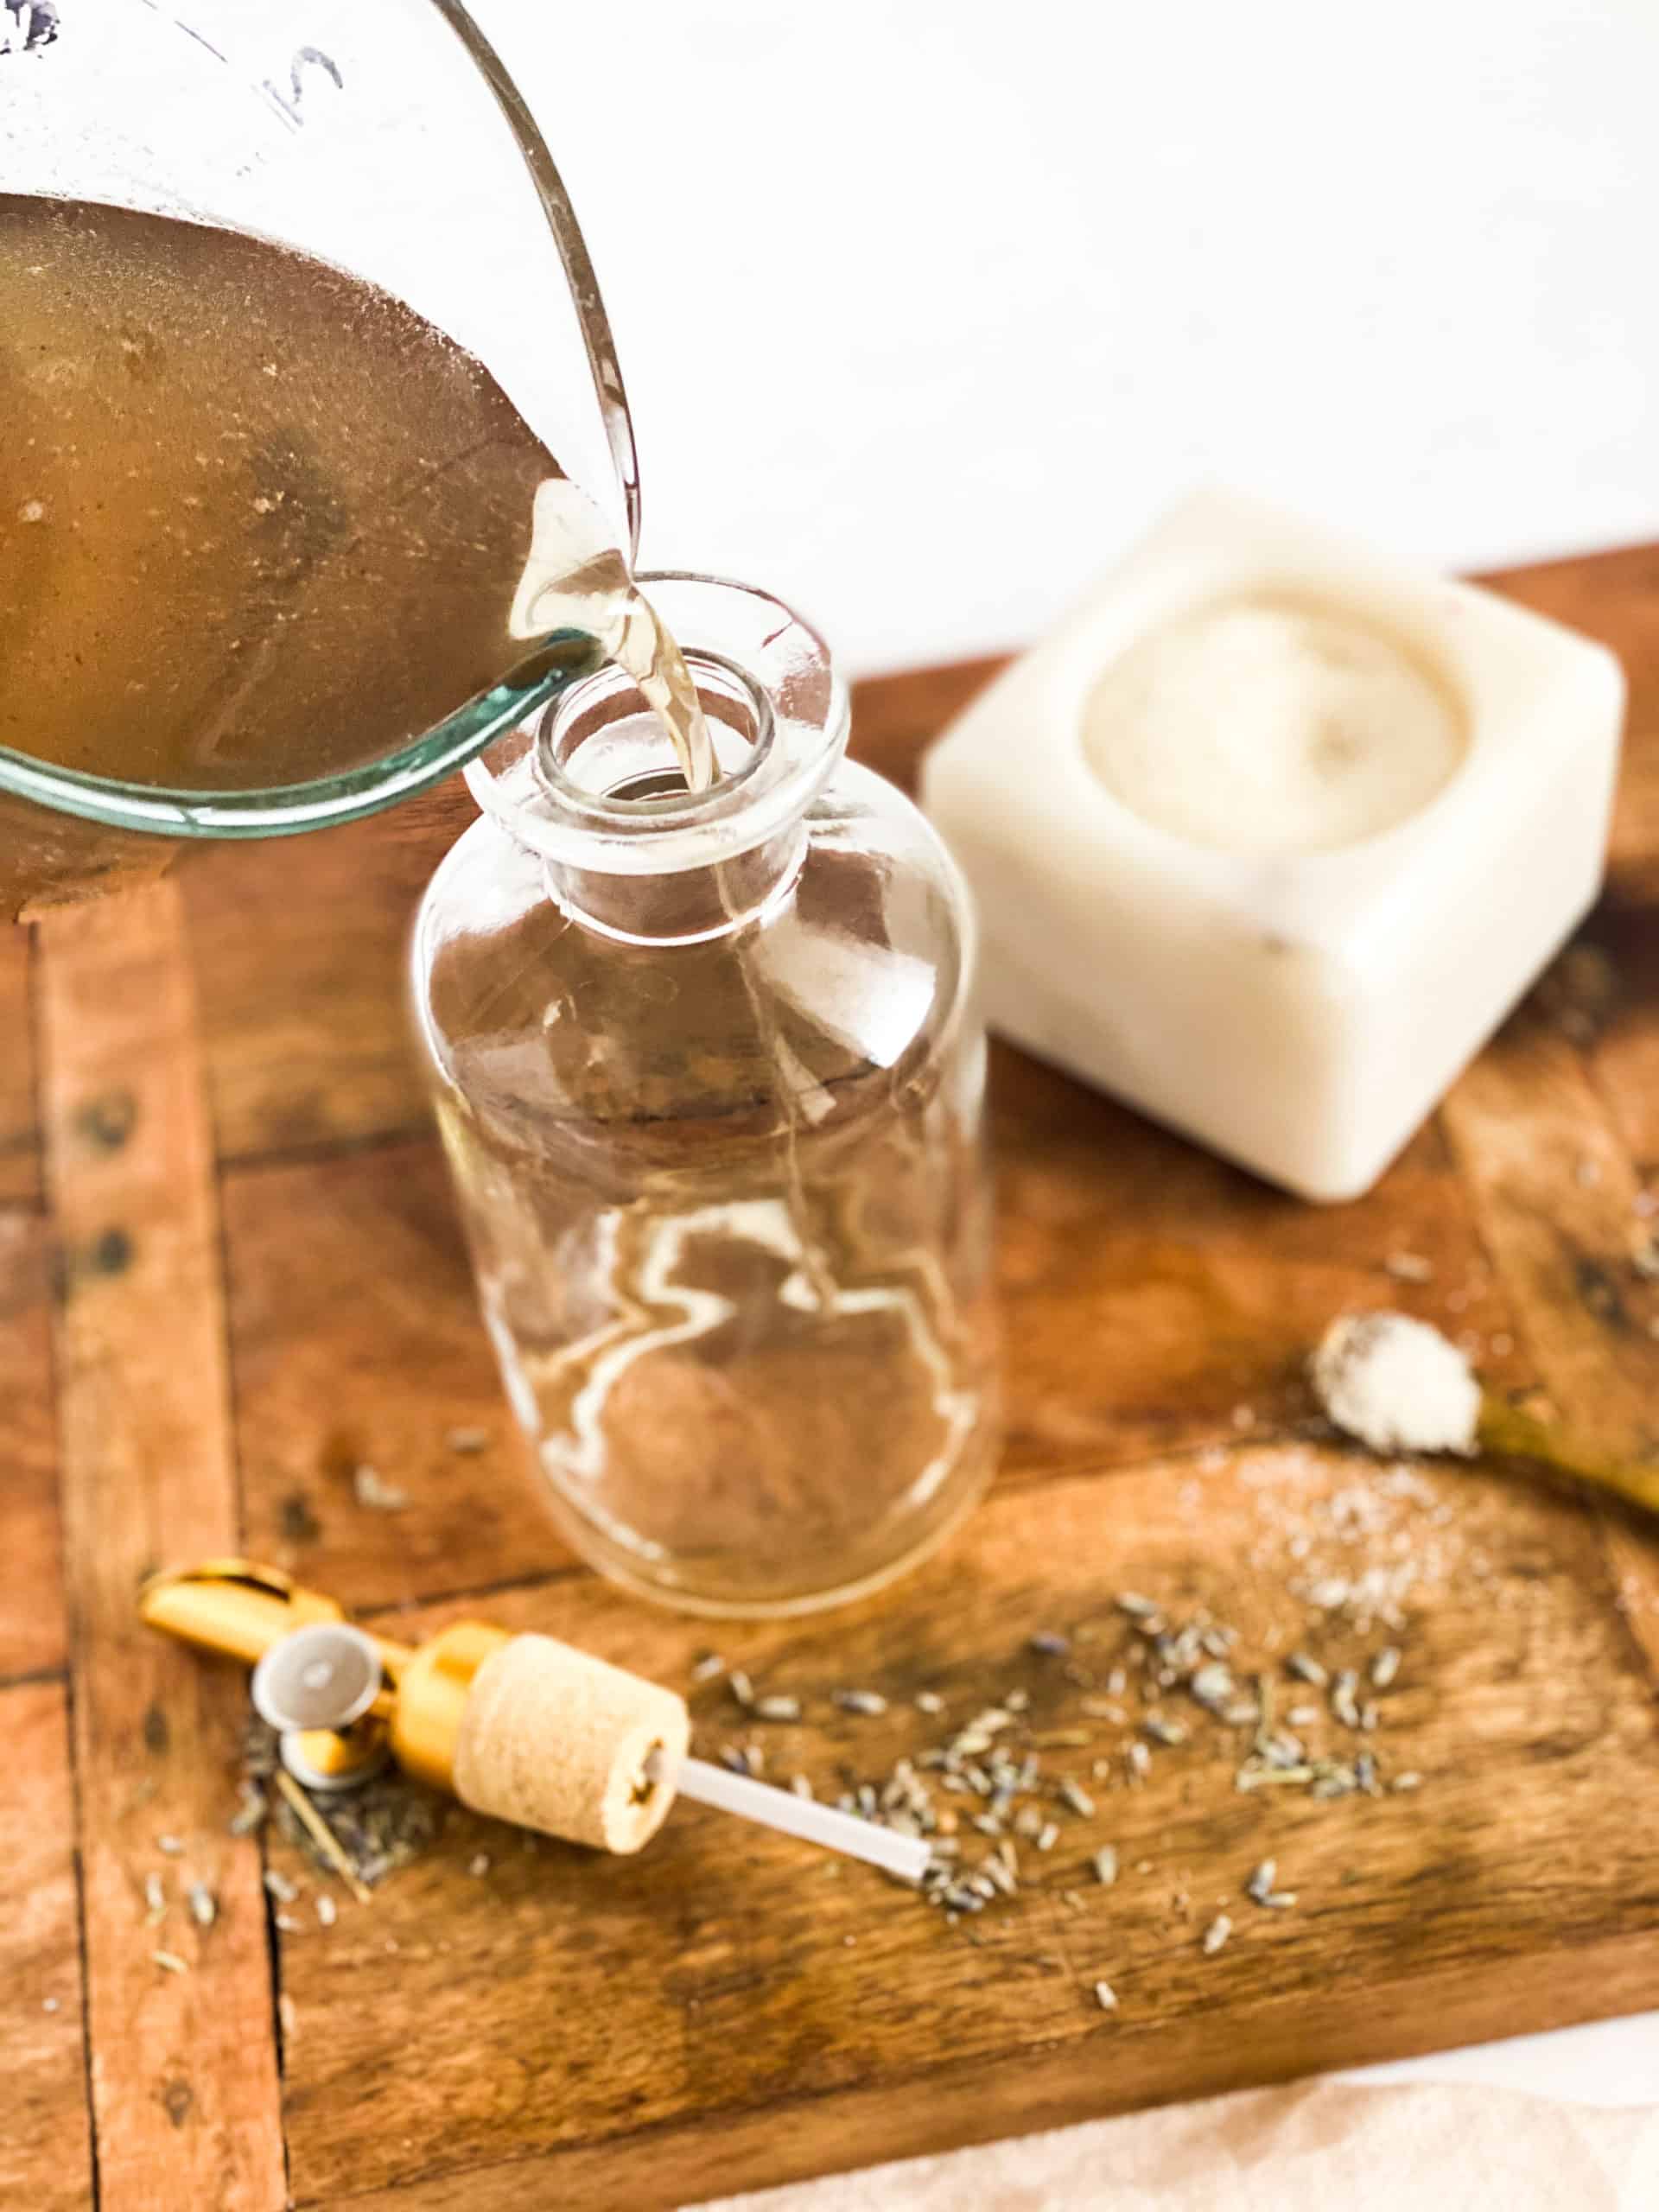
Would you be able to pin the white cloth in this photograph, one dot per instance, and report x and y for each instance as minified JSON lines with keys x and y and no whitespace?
{"x":1303,"y":2149}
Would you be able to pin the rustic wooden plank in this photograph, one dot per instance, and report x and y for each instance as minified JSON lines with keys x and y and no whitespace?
{"x":45,"y":2144}
{"x":47,"y":859}
{"x":591,"y":2030}
{"x":20,"y":1147}
{"x":303,"y":996}
{"x":896,"y":718}
{"x":1557,"y":1195}
{"x":1156,"y":1299}
{"x":1615,"y":597}
{"x":185,"y":2091}
{"x":1554,"y":1160}
{"x":31,"y":1576}
{"x":356,"y":1340}
{"x":798,"y":2139}
{"x":1607,"y":999}
{"x":1604,"y":994}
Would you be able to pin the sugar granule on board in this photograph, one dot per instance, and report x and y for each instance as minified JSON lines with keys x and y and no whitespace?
{"x":1396,"y":1384}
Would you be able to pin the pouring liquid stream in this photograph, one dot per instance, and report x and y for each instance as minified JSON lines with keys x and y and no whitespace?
{"x":575,"y":580}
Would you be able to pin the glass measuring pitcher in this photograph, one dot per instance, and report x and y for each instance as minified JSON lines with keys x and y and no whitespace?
{"x":294,"y":320}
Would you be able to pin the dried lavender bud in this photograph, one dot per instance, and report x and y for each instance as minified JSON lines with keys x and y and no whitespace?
{"x":863,"y":1701}
{"x":778,"y":1708}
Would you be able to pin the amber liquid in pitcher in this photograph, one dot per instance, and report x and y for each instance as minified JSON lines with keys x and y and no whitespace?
{"x":260,"y":522}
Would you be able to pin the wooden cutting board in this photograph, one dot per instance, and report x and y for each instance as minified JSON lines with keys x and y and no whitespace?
{"x":230,"y":1272}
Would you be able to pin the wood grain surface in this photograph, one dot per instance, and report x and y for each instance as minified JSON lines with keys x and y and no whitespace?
{"x":241,"y":1266}
{"x":31,"y":1572}
{"x":20,"y":1176}
{"x":183,"y":2066}
{"x":45,"y":2147}
{"x":650,"y":2005}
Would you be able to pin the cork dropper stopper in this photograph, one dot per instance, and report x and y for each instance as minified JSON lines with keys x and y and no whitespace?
{"x":521,"y":1727}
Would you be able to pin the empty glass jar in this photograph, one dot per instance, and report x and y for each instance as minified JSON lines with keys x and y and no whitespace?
{"x":710,"y":1077}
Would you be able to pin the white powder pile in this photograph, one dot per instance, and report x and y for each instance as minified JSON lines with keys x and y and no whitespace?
{"x":1262,"y":725}
{"x":1396,"y":1384}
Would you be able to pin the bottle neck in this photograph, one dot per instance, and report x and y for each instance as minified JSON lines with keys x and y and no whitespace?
{"x":687,"y":906}
{"x":610,"y":767}
{"x":594,"y":788}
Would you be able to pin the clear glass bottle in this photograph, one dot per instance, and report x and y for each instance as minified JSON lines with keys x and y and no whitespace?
{"x":710,"y":1077}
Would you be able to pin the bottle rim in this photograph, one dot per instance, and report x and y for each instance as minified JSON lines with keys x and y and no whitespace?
{"x":745,"y":648}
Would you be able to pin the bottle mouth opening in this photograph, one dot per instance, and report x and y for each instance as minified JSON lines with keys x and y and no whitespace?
{"x":590,"y":780}
{"x":602,"y":751}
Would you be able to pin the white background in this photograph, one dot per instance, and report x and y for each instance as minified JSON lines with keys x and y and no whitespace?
{"x":926,"y":307}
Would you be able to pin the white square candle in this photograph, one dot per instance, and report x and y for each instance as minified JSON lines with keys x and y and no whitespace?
{"x":1271,"y":834}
